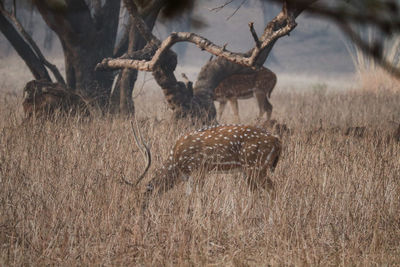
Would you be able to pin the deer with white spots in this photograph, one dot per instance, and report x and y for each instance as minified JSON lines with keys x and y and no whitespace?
{"x":243,"y":86}
{"x":252,"y":150}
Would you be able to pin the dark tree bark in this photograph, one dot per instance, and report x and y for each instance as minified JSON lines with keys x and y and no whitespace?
{"x":28,"y":39}
{"x":23,"y":49}
{"x":48,"y":39}
{"x":121,"y":99}
{"x":85,"y":40}
{"x":87,"y":32}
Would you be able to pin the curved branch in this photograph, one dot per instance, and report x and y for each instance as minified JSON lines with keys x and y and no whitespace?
{"x":282,"y":25}
{"x":161,"y":61}
{"x":32,"y":43}
{"x":202,"y":43}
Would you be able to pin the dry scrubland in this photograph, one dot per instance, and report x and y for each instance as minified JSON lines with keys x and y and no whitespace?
{"x":338,"y":197}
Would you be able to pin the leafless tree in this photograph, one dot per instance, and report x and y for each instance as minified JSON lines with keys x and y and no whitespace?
{"x":87,"y":31}
{"x":161,"y":61}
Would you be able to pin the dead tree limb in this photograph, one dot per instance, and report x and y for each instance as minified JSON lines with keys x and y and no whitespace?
{"x":28,"y":38}
{"x":203,"y":44}
{"x":383,"y":16}
{"x":158,"y":58}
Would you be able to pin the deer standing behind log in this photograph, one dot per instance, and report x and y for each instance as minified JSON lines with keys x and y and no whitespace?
{"x":252,"y":150}
{"x":243,"y":86}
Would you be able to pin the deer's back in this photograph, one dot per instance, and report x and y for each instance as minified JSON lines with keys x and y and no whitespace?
{"x":265,"y":81}
{"x":237,"y":85}
{"x":225,"y":148}
{"x":242,"y":85}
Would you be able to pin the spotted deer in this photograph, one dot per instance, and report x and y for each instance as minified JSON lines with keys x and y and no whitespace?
{"x":221,"y":148}
{"x":243,"y":86}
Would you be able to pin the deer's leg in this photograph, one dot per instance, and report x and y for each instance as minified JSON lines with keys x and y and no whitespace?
{"x":260,"y":96}
{"x":268,"y":108}
{"x":263,"y":103}
{"x":235,"y":108}
{"x":222,"y":105}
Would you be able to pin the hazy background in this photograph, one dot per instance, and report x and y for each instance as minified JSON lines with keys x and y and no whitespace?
{"x":314,"y":52}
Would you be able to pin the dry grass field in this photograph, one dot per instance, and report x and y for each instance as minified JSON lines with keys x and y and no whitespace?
{"x":62,"y":201}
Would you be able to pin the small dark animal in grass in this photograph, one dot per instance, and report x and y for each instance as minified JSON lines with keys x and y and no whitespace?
{"x":358,"y":131}
{"x":43,"y":98}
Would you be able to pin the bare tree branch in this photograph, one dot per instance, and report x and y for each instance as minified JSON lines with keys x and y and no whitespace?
{"x":236,"y":10}
{"x":32,"y":43}
{"x":218,"y":8}
{"x":269,"y":36}
{"x":254,"y":34}
{"x":158,"y":58}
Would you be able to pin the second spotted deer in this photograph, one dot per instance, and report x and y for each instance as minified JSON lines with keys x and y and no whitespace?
{"x":243,"y":86}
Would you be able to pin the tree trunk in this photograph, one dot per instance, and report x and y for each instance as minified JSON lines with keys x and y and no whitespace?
{"x":121,"y":98}
{"x":23,"y":49}
{"x":177,"y":95}
{"x":48,"y":39}
{"x":85,"y":39}
{"x":162,"y":61}
{"x":128,"y":79}
{"x":220,"y":68}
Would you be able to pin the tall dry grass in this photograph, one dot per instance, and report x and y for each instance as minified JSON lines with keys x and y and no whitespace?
{"x":371,"y":76}
{"x":338,"y":197}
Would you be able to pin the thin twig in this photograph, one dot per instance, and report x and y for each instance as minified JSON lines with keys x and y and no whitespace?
{"x":144,"y":149}
{"x":218,"y":8}
{"x":236,"y":10}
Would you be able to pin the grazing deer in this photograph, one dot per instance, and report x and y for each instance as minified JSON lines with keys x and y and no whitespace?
{"x":243,"y":86}
{"x":222,"y":148}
